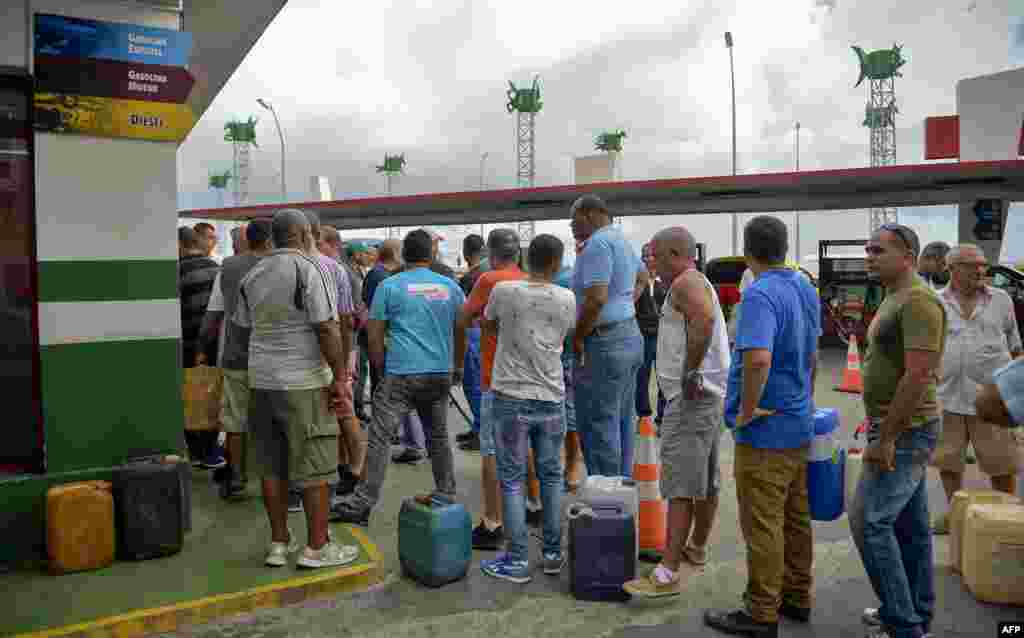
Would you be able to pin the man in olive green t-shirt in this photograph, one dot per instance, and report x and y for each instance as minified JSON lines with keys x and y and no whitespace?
{"x":904,"y":342}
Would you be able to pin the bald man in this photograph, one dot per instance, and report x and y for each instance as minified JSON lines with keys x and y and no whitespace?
{"x":693,"y":368}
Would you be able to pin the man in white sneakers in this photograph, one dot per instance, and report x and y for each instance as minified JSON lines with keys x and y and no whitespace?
{"x":290,"y":303}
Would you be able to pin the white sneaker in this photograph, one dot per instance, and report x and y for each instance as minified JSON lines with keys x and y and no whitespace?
{"x":330,"y":555}
{"x":277,"y":553}
{"x":870,"y":617}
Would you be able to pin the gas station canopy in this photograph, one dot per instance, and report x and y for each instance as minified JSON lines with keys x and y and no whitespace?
{"x":844,"y":189}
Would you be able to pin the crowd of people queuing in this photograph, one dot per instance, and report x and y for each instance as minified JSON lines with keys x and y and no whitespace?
{"x":556,"y":362}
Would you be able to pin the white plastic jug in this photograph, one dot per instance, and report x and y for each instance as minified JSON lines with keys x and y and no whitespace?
{"x":618,"y":488}
{"x":854,"y":463}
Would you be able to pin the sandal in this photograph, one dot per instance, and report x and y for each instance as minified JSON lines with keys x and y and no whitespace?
{"x":696,"y":555}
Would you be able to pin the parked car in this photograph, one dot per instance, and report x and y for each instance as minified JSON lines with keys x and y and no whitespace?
{"x":725,"y":274}
{"x":1011,"y":281}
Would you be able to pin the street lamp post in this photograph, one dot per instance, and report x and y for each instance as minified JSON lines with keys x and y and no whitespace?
{"x":280,"y":135}
{"x":732,"y":75}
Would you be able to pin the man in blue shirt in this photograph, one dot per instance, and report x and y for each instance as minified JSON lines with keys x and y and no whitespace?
{"x":769,"y":407}
{"x":608,"y":345}
{"x":415,"y":312}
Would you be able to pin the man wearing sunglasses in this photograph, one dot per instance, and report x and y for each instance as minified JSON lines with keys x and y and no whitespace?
{"x":905,"y":343}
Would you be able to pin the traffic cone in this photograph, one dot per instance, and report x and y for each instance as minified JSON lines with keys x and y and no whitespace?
{"x":652,"y":517}
{"x":852,"y":380}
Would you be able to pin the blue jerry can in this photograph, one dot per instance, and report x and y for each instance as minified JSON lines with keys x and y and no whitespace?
{"x":826,"y":465}
{"x":435,"y":543}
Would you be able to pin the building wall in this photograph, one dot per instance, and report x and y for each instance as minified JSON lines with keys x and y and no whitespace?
{"x":107,"y":250}
{"x":991,"y":110}
{"x":594,"y":168}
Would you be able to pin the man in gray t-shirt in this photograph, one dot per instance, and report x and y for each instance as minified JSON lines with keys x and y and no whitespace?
{"x":290,"y":303}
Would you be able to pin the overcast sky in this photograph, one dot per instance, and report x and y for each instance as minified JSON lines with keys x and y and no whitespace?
{"x":428,"y":79}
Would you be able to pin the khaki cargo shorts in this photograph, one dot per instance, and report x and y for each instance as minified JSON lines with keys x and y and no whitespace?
{"x":295,"y":435}
{"x":996,"y":447}
{"x":234,"y":402}
{"x":690,"y":434}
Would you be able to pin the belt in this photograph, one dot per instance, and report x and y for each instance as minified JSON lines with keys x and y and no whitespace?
{"x":608,"y":327}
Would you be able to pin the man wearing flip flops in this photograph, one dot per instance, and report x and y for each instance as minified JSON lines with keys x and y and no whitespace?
{"x":693,"y":367}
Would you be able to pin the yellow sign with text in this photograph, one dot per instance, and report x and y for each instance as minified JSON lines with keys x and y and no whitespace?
{"x":111,"y":117}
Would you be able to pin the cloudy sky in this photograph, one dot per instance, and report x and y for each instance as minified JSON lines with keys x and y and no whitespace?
{"x":428,"y":79}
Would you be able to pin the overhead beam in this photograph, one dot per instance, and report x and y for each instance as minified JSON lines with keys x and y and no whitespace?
{"x":912,"y":185}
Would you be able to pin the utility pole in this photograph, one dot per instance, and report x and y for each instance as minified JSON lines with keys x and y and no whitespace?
{"x":799,"y":255}
{"x":483,"y":160}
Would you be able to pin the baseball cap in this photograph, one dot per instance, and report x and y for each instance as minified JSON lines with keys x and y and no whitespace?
{"x":356,"y":247}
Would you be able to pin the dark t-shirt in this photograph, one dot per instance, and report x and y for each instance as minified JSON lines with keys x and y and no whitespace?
{"x":442,"y":269}
{"x":236,"y":338}
{"x":196,"y":275}
{"x":648,"y":308}
{"x":376,"y":275}
{"x":467,"y":281}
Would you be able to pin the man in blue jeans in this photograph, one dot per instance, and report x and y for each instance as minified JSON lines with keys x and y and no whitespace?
{"x":415,"y":311}
{"x":531,"y":319}
{"x":608,"y":345}
{"x":889,"y":515}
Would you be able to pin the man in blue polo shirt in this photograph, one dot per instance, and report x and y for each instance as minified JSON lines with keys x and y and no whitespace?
{"x":607,"y":341}
{"x":415,"y":312}
{"x":769,"y":406}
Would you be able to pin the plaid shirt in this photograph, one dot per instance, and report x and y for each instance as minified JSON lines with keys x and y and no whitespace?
{"x":976,"y":346}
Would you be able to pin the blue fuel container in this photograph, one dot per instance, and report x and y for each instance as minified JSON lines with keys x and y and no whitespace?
{"x":435,"y":543}
{"x":826,"y":465}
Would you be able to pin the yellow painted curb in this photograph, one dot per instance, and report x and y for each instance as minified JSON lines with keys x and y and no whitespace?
{"x":170,"y":618}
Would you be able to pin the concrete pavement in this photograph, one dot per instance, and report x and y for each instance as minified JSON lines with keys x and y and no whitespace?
{"x":480,"y":605}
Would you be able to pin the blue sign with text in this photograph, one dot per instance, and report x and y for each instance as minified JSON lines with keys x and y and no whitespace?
{"x":78,"y":38}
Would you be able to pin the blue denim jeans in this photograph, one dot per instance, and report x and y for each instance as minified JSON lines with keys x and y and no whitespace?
{"x":471,"y":374}
{"x":605,"y":398}
{"x":568,"y":362}
{"x":890,"y":525}
{"x":643,"y":376}
{"x":519,"y":425}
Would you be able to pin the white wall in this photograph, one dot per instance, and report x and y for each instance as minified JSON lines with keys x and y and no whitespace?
{"x":14,"y":43}
{"x":99,"y":198}
{"x":990,"y":109}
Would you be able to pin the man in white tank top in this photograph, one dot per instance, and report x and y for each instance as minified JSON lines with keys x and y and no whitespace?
{"x":693,"y":367}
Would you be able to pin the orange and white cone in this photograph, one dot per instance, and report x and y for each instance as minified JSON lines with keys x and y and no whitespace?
{"x":852,"y":382}
{"x":652,"y":517}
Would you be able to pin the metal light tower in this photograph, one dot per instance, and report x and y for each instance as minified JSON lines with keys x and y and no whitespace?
{"x":526,"y":103}
{"x":393,"y":165}
{"x":242,"y":135}
{"x":611,"y":142}
{"x":881,"y":68}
